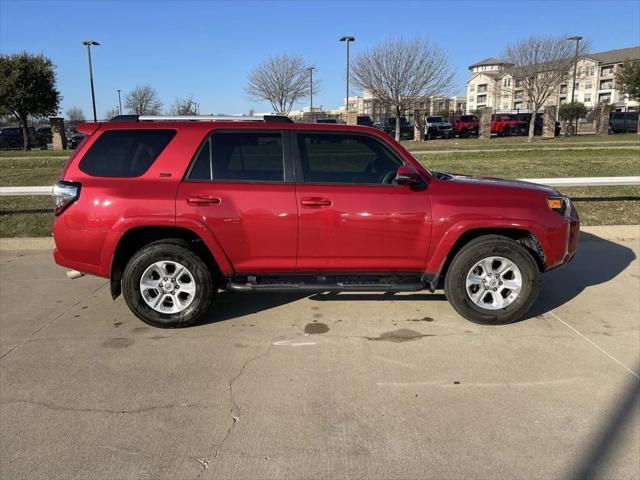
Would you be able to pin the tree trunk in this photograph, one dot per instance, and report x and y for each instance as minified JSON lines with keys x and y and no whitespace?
{"x":25,"y":133}
{"x":397,"y":124}
{"x":532,"y":124}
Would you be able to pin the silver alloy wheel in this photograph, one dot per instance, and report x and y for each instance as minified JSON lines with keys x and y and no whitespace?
{"x":494,"y":283}
{"x":167,"y":287}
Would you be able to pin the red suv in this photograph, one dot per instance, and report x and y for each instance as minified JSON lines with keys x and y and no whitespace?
{"x":465,"y":125}
{"x":505,"y":125}
{"x":172,"y":210}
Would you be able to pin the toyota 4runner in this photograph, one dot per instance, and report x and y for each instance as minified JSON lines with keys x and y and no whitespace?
{"x":172,"y":209}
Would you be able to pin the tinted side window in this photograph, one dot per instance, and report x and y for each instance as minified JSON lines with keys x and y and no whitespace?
{"x":242,"y":156}
{"x":349,"y":159}
{"x":125,"y":153}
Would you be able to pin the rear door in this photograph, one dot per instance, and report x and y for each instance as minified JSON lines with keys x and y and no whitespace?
{"x":241,"y":186}
{"x":353,"y":217}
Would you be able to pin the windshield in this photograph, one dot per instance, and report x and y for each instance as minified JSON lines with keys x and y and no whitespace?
{"x":468,"y":118}
{"x":434,"y":119}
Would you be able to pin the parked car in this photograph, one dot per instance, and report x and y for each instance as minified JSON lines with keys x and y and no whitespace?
{"x":171,"y":212}
{"x":506,"y":125}
{"x":44,"y":136}
{"x":11,"y":138}
{"x":436,"y":127}
{"x":623,"y":122}
{"x":364,"y":120}
{"x":388,"y":126}
{"x":74,"y":137}
{"x":326,"y":120}
{"x":465,"y":125}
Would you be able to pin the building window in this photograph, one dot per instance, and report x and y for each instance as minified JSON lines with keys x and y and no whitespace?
{"x":588,"y":86}
{"x":587,"y":98}
{"x":577,"y":85}
{"x":606,"y":84}
{"x":563,"y":89}
{"x":606,"y":71}
{"x":604,"y":98}
{"x":517,"y":105}
{"x":481,"y":98}
{"x":482,"y":88}
{"x":563,"y":100}
{"x":472,"y":87}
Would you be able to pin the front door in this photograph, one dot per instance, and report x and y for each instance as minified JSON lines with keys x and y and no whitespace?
{"x":353,"y":217}
{"x":238,"y":187}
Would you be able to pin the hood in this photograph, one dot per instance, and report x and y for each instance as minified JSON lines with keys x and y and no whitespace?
{"x":497,"y":182}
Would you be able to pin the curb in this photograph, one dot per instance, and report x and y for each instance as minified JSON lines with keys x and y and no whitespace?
{"x":602,"y":232}
{"x":27,"y":243}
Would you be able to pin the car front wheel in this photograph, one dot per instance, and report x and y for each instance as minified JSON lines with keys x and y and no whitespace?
{"x":493,"y":279}
{"x":165,"y":284}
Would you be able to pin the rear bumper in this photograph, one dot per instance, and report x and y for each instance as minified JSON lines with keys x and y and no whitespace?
{"x":75,"y":265}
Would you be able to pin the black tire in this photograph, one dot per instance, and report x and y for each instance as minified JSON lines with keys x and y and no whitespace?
{"x":172,"y":250}
{"x":507,"y":132}
{"x":468,"y":256}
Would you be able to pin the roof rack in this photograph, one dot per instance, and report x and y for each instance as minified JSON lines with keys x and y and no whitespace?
{"x":201,"y":118}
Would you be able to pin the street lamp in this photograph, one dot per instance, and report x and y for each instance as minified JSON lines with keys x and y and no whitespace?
{"x":347,"y":39}
{"x":310,"y":70}
{"x":577,"y":39}
{"x":89,"y":43}
{"x":119,"y":102}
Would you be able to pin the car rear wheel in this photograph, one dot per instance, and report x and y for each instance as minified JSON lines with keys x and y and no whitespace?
{"x":492,"y":279}
{"x":165,"y":284}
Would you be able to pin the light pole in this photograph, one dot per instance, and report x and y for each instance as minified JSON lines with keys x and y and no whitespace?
{"x":310,"y":70}
{"x":119,"y":102}
{"x":347,"y":39}
{"x":577,"y":39}
{"x":89,"y":43}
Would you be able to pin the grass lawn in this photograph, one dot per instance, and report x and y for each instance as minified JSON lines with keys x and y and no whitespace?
{"x":623,"y":139}
{"x":501,"y":157}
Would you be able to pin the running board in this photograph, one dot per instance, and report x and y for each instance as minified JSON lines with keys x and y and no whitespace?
{"x":322,"y":284}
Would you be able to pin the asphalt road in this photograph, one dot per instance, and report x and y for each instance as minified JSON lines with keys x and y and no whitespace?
{"x":348,"y":386}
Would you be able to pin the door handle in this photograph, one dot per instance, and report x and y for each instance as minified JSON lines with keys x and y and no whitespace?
{"x":316,"y":202}
{"x":200,"y":200}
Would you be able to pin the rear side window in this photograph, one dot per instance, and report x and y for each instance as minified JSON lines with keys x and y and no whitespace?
{"x":125,"y":153}
{"x":343,"y":158}
{"x":240,"y":157}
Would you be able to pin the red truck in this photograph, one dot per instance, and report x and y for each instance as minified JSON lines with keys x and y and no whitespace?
{"x":173,"y":209}
{"x":505,"y":125}
{"x":465,"y":125}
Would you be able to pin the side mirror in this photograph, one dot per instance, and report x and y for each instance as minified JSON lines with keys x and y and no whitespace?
{"x":407,"y":176}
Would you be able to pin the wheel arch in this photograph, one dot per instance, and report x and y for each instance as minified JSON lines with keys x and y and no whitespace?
{"x":135,"y":238}
{"x":521,"y":235}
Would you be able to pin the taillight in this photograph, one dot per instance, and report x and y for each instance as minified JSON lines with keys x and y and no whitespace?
{"x":64,"y":194}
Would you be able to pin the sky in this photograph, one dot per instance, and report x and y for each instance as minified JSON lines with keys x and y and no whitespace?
{"x":207,"y":48}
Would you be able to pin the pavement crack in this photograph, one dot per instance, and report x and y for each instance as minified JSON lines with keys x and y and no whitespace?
{"x":52,"y":406}
{"x":235,"y":413}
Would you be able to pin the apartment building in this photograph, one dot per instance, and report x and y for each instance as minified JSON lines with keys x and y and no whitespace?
{"x":491,"y":84}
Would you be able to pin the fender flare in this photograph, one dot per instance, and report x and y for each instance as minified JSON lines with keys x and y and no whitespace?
{"x":125,"y":225}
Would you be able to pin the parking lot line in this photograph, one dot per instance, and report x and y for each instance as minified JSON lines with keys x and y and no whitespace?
{"x":595,"y":345}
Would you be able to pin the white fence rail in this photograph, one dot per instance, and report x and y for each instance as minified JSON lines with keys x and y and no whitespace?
{"x":552,"y":182}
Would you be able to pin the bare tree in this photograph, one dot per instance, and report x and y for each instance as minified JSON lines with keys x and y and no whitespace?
{"x":109,"y":114}
{"x":143,"y":100}
{"x":399,"y":72}
{"x":281,"y":81}
{"x":75,"y":114}
{"x":184,"y":106}
{"x":538,"y":66}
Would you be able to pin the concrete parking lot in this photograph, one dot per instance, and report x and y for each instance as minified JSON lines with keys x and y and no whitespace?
{"x":326,"y":386}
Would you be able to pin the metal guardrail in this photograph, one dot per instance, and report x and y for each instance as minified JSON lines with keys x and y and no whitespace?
{"x":552,"y":182}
